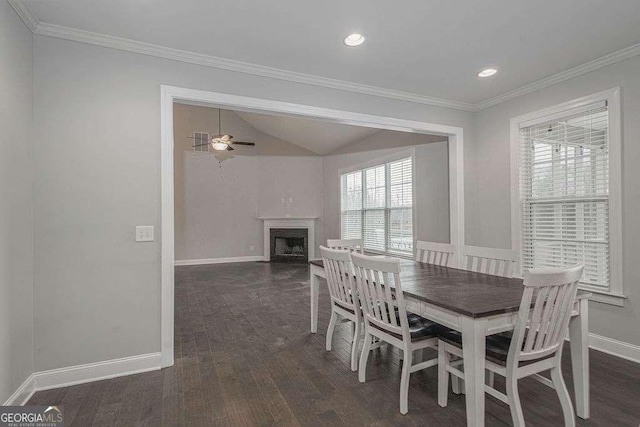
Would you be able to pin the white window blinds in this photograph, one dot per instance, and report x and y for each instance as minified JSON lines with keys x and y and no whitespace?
{"x":564,"y":191}
{"x":376,"y":205}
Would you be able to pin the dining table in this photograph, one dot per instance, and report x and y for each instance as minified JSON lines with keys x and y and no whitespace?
{"x":477,"y":305}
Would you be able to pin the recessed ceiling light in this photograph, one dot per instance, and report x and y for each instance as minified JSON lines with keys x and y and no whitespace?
{"x":487,"y":73}
{"x":354,"y":39}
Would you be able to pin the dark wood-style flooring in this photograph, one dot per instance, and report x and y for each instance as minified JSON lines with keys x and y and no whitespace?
{"x":244,"y":356}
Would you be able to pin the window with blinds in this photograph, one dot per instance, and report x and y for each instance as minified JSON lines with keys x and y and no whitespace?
{"x":564,"y":193}
{"x":376,"y":206}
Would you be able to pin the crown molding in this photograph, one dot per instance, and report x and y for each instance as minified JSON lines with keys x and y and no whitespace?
{"x":61,"y":32}
{"x":23,"y":11}
{"x":585,"y":68}
{"x":119,"y":43}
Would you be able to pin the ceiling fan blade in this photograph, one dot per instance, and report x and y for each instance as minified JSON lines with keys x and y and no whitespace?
{"x":230,"y":148}
{"x":243,"y":143}
{"x":200,"y":145}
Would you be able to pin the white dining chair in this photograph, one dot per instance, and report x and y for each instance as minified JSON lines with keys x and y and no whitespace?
{"x":344,"y":297}
{"x":534,"y":346}
{"x":385,"y":318}
{"x":499,"y":262}
{"x":355,"y":245}
{"x":442,"y":254}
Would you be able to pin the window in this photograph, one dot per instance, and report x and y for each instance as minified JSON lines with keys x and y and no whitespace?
{"x":200,"y":141}
{"x":565,"y":205}
{"x":376,"y":205}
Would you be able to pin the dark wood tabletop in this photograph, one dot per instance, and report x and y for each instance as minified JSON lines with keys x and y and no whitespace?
{"x":461,"y":291}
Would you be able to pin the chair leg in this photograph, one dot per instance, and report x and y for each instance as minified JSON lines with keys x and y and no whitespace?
{"x":404,"y":380}
{"x":490,"y":378}
{"x":331,"y":328}
{"x":364,"y":356}
{"x":514,"y":401}
{"x":355,"y":343}
{"x":443,"y":375}
{"x":563,"y":395}
{"x":457,"y":384}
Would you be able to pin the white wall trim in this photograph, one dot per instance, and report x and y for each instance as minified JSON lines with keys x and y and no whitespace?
{"x":616,"y":348}
{"x":119,"y":43}
{"x":80,"y":374}
{"x":205,"y":261}
{"x":169,"y":94}
{"x":89,"y":372}
{"x":22,"y":393}
{"x":27,"y":16}
{"x":587,"y":67}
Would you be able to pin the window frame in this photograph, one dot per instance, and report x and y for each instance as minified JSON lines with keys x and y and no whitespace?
{"x":615,"y":294}
{"x":403,"y":154}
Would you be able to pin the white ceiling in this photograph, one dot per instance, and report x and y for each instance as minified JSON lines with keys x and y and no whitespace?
{"x":427,"y":47}
{"x":318,"y":136}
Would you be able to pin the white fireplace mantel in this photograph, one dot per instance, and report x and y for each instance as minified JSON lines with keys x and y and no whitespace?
{"x":307,"y":222}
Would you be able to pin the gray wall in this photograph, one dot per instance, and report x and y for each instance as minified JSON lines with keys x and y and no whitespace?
{"x":16,"y":211}
{"x":97,"y":175}
{"x":217,"y":207}
{"x":432,"y":181}
{"x":488,"y":182}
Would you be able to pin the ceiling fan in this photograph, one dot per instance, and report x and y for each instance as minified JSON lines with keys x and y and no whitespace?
{"x":222,"y":142}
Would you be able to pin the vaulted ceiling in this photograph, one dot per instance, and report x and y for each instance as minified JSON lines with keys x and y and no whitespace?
{"x":430,"y":48}
{"x":318,"y":136}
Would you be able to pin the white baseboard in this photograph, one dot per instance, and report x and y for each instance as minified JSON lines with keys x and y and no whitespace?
{"x":22,"y":394}
{"x":613,"y":347}
{"x":218,"y":260}
{"x":80,"y":374}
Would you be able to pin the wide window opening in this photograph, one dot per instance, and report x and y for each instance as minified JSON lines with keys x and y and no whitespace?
{"x":377,"y":206}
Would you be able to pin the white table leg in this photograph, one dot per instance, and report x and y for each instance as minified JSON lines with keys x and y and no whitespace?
{"x":315,"y":287}
{"x":474,"y":333}
{"x":579,"y":336}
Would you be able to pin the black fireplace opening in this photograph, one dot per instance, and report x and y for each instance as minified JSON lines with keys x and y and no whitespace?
{"x":289,"y":245}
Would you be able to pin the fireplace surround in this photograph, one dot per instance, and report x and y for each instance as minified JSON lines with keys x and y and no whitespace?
{"x":290,"y":228}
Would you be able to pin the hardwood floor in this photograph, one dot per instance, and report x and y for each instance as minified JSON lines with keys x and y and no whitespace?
{"x":244,"y":356}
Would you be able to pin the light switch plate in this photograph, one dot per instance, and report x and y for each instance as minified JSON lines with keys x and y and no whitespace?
{"x":144,"y":233}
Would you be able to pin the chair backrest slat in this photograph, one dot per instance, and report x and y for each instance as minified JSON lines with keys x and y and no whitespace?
{"x":378,"y":282}
{"x":340,"y":280}
{"x":355,"y":245}
{"x":499,"y":262}
{"x":435,"y":253}
{"x":541,"y":326}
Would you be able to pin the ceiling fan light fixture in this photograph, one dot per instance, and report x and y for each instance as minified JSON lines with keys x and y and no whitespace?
{"x":219,"y":145}
{"x":353,"y":40}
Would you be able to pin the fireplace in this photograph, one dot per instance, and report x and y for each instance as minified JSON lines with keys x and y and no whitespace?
{"x":289,"y":245}
{"x":289,"y":228}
